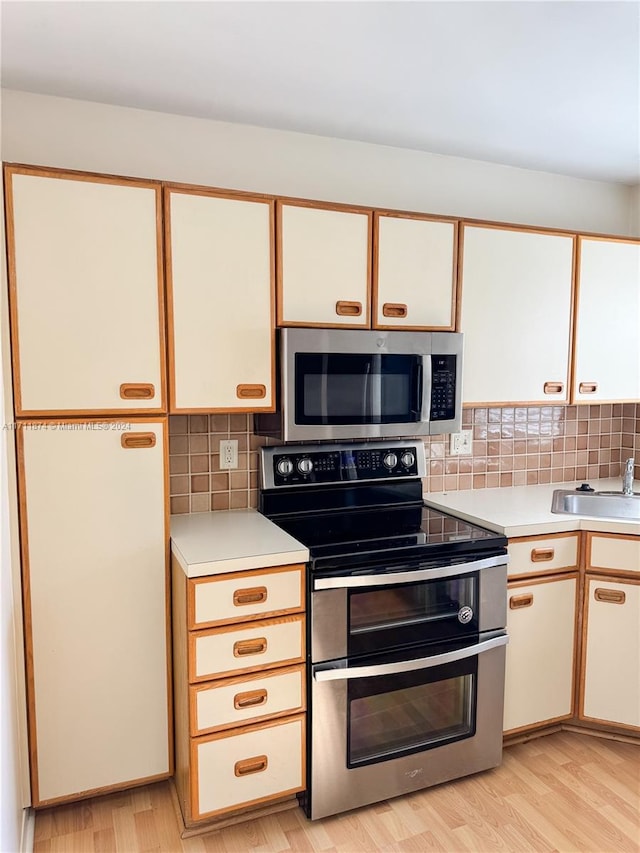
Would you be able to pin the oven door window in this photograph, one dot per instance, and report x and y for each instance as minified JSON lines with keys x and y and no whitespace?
{"x":394,"y":715}
{"x":391,"y":616}
{"x":342,"y":389}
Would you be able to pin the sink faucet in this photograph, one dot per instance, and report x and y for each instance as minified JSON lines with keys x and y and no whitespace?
{"x":627,"y":477}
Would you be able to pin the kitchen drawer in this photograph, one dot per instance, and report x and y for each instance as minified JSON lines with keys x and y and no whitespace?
{"x":241,"y":596}
{"x":240,"y":701}
{"x":248,"y":766}
{"x":220,"y":652}
{"x":613,"y":553}
{"x":535,"y":555}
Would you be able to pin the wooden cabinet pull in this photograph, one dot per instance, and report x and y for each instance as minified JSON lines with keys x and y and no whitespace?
{"x":553,"y":387}
{"x":542,"y":555}
{"x":134,"y":440}
{"x":588,"y":387}
{"x":251,"y":392}
{"x":518,"y":601}
{"x":349,"y":309}
{"x":250,"y":699}
{"x":610,"y":596}
{"x":251,"y":765}
{"x":137,"y":391}
{"x":394,"y":309}
{"x":256,"y":595}
{"x":244,"y":648}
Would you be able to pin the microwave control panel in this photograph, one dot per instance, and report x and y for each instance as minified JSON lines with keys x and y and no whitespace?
{"x":443,"y":387}
{"x":296,"y":466}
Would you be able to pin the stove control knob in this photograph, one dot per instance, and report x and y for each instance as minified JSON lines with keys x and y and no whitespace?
{"x":305,"y":466}
{"x":284,"y":466}
{"x":390,"y":461}
{"x":407,"y":459}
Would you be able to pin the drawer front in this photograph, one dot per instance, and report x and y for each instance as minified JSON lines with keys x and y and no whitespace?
{"x":249,"y":767}
{"x":239,"y":701}
{"x":245,"y":595}
{"x":542,"y":554}
{"x":613,"y":553}
{"x":220,"y":652}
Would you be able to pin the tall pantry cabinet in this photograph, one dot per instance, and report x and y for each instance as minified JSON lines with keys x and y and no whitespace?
{"x":87,"y":325}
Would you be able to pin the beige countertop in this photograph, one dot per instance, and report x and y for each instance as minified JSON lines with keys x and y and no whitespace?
{"x":526,"y":510}
{"x":208,"y":543}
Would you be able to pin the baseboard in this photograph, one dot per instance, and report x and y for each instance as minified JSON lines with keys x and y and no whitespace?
{"x":28,"y":830}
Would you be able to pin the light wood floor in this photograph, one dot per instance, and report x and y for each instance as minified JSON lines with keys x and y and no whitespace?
{"x":563,"y":792}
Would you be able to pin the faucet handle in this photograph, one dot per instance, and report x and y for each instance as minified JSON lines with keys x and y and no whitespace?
{"x":628,"y":465}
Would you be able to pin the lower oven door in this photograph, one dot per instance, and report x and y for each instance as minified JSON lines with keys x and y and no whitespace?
{"x":383,"y":729}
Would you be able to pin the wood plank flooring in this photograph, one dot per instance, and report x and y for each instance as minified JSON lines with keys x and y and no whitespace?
{"x":563,"y":792}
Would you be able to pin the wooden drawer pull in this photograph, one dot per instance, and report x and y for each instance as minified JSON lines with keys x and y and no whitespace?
{"x":251,"y":765}
{"x":256,"y":595}
{"x":133,"y":440}
{"x":542,"y":555}
{"x":394,"y":309}
{"x":610,"y":596}
{"x":553,"y":387}
{"x":518,"y":601}
{"x":137,"y":391}
{"x":251,"y":392}
{"x":349,"y":309}
{"x":244,"y":648}
{"x":588,"y":387}
{"x":250,"y":699}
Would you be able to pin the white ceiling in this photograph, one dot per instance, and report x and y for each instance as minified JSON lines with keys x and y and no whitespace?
{"x":553,"y":86}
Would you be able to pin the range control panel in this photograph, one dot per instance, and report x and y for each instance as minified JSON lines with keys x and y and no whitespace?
{"x":302,"y":465}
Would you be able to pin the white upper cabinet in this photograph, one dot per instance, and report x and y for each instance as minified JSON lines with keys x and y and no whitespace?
{"x":220,"y":280}
{"x":85,"y":271}
{"x":414,"y":272}
{"x":607,"y":348}
{"x":515,"y":315}
{"x":324,"y":265}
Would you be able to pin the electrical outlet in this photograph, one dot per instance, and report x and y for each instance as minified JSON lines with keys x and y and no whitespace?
{"x":229,"y":453}
{"x":461,"y":443}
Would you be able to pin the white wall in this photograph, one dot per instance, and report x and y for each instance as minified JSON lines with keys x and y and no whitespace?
{"x":50,"y":131}
{"x":14,"y":768}
{"x":635,"y":209}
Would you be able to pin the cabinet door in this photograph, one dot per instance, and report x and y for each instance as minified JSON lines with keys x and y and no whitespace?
{"x":611,"y":653}
{"x":414,"y":273}
{"x":221,"y":294}
{"x":85,"y":271}
{"x":94,"y":557}
{"x":515,"y":315}
{"x":607,"y":348}
{"x":324,"y":266}
{"x":541,"y":621}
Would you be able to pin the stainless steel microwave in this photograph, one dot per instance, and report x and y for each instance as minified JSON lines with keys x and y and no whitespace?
{"x":344,"y":383}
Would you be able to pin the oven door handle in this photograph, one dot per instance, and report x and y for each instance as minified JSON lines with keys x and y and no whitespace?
{"x":346,"y":673}
{"x":391,"y":578}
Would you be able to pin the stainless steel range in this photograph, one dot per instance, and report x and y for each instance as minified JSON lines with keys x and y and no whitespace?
{"x":406,"y":629}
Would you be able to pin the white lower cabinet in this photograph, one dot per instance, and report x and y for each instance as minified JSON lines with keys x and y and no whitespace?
{"x":94,"y":562}
{"x":611,"y":652}
{"x":541,"y":619}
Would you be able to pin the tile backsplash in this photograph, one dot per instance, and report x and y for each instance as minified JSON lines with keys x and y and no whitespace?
{"x":512,"y":446}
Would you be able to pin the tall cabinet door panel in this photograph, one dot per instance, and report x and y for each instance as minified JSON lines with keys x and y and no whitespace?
{"x":607,"y":358}
{"x":94,"y":557}
{"x":85,"y":269}
{"x":515,"y":315}
{"x":414,"y":278}
{"x":221,"y":296}
{"x":611,"y":652}
{"x":324,"y":265}
{"x":541,"y":620}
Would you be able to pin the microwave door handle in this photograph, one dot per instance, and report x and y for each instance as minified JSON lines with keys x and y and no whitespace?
{"x":347,"y":673}
{"x":393,"y":578}
{"x":426,"y":389}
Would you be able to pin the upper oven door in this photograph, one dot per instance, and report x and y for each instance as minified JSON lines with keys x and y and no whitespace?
{"x":363,"y":614}
{"x":341,"y":383}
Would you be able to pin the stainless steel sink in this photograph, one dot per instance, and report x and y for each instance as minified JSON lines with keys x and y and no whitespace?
{"x":599,"y":504}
